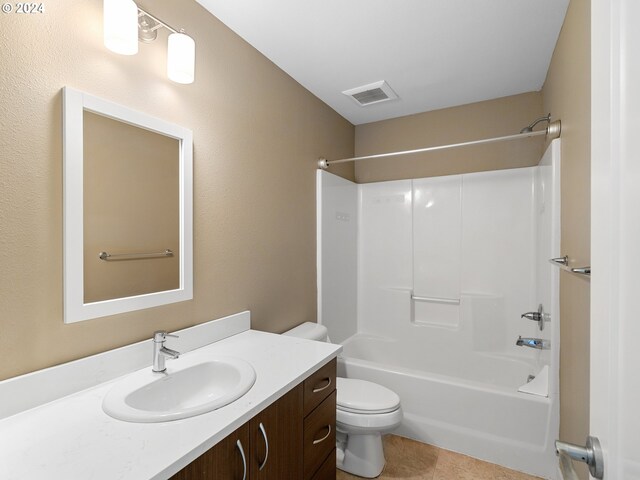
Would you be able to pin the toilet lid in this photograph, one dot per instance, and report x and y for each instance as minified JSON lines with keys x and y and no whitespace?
{"x":360,"y":396}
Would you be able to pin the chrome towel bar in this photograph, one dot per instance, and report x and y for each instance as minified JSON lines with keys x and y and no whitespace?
{"x":134,"y":256}
{"x":563,"y":263}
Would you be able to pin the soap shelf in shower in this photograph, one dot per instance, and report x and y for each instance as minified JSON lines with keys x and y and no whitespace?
{"x":563,"y":264}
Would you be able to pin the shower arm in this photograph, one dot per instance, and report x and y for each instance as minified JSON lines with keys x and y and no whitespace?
{"x":529,"y":128}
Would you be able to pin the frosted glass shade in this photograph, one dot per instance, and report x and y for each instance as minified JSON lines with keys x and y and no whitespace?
{"x":181,"y":58}
{"x":121,"y":26}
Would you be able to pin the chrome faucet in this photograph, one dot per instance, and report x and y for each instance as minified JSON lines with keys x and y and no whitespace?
{"x":538,"y":343}
{"x":160,"y":352}
{"x":540,"y":316}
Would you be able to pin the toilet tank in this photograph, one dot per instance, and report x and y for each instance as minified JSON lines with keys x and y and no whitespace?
{"x":310,"y":331}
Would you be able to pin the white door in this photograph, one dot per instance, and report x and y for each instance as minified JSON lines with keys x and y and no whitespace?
{"x":615,"y":254}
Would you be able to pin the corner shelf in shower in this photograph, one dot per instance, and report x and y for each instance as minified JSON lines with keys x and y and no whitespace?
{"x":563,"y":264}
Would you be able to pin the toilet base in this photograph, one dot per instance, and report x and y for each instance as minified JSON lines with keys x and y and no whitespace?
{"x":363,"y":455}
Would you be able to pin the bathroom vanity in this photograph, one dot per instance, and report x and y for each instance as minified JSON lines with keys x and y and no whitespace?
{"x":294,"y":437}
{"x":56,"y":415}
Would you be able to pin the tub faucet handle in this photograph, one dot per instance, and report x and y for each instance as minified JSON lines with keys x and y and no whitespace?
{"x":540,"y":316}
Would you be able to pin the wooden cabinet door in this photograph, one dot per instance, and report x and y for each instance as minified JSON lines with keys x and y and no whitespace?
{"x":278,"y":430}
{"x":222,"y":462}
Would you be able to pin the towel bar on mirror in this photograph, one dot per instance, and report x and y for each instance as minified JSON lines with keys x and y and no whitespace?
{"x":134,"y":256}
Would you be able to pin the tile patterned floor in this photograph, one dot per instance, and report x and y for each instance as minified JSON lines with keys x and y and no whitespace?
{"x":411,"y":460}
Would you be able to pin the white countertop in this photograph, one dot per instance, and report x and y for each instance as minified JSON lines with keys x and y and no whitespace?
{"x":72,"y":438}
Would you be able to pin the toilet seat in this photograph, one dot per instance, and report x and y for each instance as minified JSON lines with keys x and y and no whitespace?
{"x":365,"y":398}
{"x":359,"y":423}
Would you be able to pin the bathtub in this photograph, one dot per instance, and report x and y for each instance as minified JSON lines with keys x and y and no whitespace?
{"x":461,"y":401}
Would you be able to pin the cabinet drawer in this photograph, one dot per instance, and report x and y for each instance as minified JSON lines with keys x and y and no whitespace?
{"x":319,"y":386}
{"x":319,"y":435}
{"x":328,"y":469}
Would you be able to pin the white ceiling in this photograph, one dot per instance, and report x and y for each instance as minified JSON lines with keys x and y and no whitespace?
{"x":433,"y":53}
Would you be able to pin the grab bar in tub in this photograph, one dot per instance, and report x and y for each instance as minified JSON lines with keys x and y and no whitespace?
{"x":450,"y":301}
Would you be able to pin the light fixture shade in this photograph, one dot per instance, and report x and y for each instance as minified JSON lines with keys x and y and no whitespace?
{"x":181,"y":58}
{"x":121,"y":26}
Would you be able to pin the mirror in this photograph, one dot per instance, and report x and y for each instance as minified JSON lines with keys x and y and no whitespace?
{"x":128,"y":206}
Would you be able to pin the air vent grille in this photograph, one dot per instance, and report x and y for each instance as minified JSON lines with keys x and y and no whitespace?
{"x":370,"y":96}
{"x":373,"y":93}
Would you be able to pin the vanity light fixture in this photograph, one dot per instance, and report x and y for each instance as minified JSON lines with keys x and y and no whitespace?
{"x":125,"y":24}
{"x":181,"y":58}
{"x":121,"y":26}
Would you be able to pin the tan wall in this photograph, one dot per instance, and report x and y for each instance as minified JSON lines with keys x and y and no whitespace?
{"x":492,"y":118}
{"x":131,"y":205}
{"x":257,"y":136}
{"x":567,"y":93}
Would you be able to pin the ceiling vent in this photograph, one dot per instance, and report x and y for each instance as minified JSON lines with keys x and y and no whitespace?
{"x":373,"y":93}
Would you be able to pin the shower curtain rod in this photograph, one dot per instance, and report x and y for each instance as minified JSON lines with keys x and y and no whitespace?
{"x":553,"y":131}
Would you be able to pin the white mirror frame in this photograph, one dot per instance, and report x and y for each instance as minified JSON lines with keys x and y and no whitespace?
{"x":75,"y":310}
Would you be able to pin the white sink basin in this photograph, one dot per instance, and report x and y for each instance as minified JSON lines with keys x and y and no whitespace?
{"x":189,"y":387}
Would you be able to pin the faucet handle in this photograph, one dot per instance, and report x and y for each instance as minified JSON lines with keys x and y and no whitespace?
{"x":160,"y":336}
{"x":540,"y":316}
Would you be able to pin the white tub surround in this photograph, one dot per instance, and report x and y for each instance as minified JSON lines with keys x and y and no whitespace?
{"x":446,"y":267}
{"x":337,"y":227}
{"x":61,"y":435}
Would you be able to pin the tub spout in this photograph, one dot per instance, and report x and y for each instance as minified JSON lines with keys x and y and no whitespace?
{"x":537,"y":343}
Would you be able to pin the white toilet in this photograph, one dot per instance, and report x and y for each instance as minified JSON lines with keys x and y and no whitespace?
{"x":365,"y":411}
